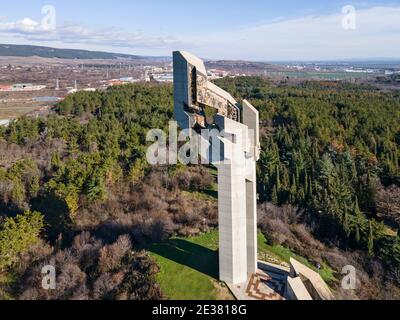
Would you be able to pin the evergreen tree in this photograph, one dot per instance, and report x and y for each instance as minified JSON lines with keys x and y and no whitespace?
{"x":359,"y":218}
{"x":306,"y":187}
{"x":274,"y":196}
{"x":310,"y":188}
{"x":17,"y":236}
{"x":278,"y":179}
{"x":357,"y":236}
{"x":346,"y":223}
{"x":370,"y":240}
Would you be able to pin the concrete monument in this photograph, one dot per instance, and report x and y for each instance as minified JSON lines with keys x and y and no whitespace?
{"x":201,"y":105}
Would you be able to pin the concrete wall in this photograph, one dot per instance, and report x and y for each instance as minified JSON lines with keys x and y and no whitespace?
{"x":251,"y":120}
{"x":232,"y":224}
{"x":232,"y":206}
{"x":295,"y":290}
{"x":181,"y":90}
{"x":312,"y":280}
{"x":251,"y":225}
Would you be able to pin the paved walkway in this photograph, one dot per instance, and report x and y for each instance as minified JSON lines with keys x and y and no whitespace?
{"x":268,"y":283}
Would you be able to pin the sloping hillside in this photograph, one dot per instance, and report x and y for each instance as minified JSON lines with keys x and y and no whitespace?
{"x":46,"y":52}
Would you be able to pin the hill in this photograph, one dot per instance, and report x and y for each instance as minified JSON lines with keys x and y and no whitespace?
{"x":47,"y":52}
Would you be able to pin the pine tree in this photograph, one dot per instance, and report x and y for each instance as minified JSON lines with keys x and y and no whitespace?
{"x":353,"y":172}
{"x":310,"y":188}
{"x":278,"y":179}
{"x":357,"y":211}
{"x":346,"y":225}
{"x":18,"y":235}
{"x":55,"y":161}
{"x":293,"y":191}
{"x":359,"y":220}
{"x":301,"y":194}
{"x":274,"y":196}
{"x":357,"y":234}
{"x":316,"y":151}
{"x":370,"y":240}
{"x":286,"y":178}
{"x":306,"y":182}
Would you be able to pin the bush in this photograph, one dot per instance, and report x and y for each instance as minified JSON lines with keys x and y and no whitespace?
{"x":118,"y":273}
{"x":18,"y":235}
{"x":111,"y":255}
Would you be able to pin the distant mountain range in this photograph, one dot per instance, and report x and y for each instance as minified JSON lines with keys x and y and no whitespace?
{"x":11,"y":50}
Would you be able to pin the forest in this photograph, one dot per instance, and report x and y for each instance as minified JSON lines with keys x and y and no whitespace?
{"x":333,"y":149}
{"x":76,"y":190}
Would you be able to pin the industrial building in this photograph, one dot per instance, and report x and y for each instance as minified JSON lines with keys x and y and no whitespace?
{"x":21,"y":87}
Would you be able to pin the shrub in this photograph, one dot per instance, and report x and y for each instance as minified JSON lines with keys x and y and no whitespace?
{"x":18,"y":235}
{"x":111,"y":255}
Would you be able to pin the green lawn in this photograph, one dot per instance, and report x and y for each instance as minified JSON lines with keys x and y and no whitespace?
{"x":189,"y":266}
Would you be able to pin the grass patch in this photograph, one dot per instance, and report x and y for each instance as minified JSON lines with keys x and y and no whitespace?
{"x":189,"y":266}
{"x":204,"y":196}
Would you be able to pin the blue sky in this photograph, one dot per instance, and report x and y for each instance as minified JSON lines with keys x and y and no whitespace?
{"x":255,"y":30}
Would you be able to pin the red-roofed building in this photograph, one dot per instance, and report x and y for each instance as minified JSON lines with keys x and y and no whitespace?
{"x":6,"y":87}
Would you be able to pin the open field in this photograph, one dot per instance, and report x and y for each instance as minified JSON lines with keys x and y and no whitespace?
{"x":17,"y":104}
{"x":16,"y":109}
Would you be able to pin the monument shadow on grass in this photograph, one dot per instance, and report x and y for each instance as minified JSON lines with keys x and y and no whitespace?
{"x":189,"y":254}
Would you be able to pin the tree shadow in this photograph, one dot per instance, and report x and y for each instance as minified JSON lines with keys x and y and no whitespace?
{"x":9,"y":211}
{"x":189,"y":254}
{"x":56,"y":216}
{"x":211,"y":193}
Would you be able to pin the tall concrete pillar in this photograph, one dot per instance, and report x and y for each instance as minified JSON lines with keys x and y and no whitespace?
{"x":232,"y":204}
{"x":237,"y":152}
{"x":251,"y":121}
{"x":232,"y":224}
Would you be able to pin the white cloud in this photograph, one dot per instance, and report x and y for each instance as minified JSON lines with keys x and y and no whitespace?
{"x":25,"y":25}
{"x":377,"y":34}
{"x":32,"y":31}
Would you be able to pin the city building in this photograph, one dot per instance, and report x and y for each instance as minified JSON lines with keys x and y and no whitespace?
{"x":5,"y":87}
{"x":217,"y":74}
{"x":27,"y":87}
{"x":164,"y":77}
{"x":4,"y":122}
